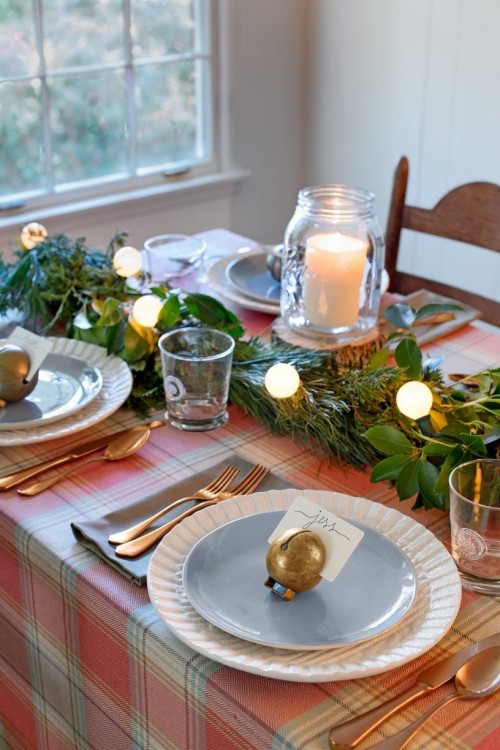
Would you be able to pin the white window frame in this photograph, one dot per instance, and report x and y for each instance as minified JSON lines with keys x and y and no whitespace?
{"x":147,"y":183}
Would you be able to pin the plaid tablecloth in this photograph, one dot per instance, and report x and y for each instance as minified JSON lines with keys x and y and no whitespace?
{"x":86,"y":662}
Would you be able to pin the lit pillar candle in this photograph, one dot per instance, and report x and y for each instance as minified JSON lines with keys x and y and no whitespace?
{"x":334,"y":268}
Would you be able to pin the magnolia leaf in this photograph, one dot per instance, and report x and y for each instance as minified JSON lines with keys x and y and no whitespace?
{"x":407,"y":482}
{"x":378,"y":359}
{"x":454,"y":457}
{"x":437,"y":449}
{"x":389,"y":440}
{"x":434,"y":309}
{"x":438,"y":420}
{"x":474,"y":443}
{"x":169,"y":313}
{"x":491,"y":436}
{"x":409,"y":357}
{"x":389,"y":468}
{"x":427,"y":478}
{"x":111,"y":312}
{"x":400,"y":315}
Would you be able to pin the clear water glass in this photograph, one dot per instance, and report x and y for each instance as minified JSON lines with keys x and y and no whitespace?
{"x":196,"y":365}
{"x":475,"y":524}
{"x":171,"y":256}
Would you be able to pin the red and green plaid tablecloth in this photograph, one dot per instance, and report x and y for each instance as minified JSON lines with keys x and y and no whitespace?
{"x":86,"y":662}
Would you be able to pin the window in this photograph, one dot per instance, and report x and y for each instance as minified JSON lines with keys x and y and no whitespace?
{"x":99,"y":92}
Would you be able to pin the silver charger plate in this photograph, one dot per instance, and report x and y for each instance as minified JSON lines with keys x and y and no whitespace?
{"x":65,"y":385}
{"x":436,"y":603}
{"x":224,"y":578}
{"x":252,"y":276}
{"x":116,"y":387}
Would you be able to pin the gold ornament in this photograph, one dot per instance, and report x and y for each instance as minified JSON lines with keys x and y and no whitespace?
{"x":294,"y":562}
{"x":32,"y":234}
{"x":14,"y":367}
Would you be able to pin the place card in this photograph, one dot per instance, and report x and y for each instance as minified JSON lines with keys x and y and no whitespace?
{"x":339,"y":537}
{"x":35,"y":346}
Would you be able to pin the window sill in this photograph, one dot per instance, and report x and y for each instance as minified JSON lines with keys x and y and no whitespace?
{"x":206,"y":187}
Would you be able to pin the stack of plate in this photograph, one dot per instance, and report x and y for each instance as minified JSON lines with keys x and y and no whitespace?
{"x":396,"y":597}
{"x":78,"y":386}
{"x":244,"y":278}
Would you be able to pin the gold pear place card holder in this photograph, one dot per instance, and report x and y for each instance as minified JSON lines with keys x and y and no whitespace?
{"x":21,"y":357}
{"x":308,"y":544}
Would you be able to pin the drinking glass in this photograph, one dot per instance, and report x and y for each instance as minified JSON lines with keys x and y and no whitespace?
{"x":196,"y":365}
{"x":475,"y":524}
{"x":170,"y":256}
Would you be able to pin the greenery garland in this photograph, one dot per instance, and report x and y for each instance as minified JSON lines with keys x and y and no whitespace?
{"x":61,"y":285}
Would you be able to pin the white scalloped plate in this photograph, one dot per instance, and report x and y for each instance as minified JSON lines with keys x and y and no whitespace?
{"x":432,"y":614}
{"x":116,"y":387}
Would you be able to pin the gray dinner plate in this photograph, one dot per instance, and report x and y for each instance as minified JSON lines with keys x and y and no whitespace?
{"x":224,"y":574}
{"x":252,"y":277}
{"x":65,"y":385}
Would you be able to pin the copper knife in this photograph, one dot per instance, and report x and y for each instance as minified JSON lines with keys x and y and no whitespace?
{"x":11,"y":480}
{"x":352,"y":732}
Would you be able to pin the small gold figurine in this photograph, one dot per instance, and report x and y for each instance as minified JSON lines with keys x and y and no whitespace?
{"x":32,"y":234}
{"x":294,"y":562}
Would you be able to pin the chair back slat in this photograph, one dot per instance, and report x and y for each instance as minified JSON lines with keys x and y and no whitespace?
{"x":469,"y":213}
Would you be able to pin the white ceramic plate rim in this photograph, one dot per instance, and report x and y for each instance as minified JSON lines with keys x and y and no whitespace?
{"x":432,"y":614}
{"x":219,"y":282}
{"x":87,"y":396}
{"x":116,"y":387}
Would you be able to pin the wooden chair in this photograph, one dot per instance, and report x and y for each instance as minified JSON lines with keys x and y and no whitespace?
{"x":469,"y":213}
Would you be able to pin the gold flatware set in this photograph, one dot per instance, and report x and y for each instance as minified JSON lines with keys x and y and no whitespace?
{"x":137,"y":546}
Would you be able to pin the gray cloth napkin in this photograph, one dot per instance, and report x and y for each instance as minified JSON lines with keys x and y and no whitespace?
{"x":94,"y":534}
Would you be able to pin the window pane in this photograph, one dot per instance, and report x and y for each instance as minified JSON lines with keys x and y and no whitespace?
{"x":82,"y":32}
{"x":88,"y":123}
{"x":166,"y":113}
{"x":21,"y":164}
{"x":161,"y":28}
{"x":18,"y":55}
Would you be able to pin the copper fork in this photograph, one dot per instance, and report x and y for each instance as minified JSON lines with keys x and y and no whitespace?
{"x":247,"y":485}
{"x":210,"y":492}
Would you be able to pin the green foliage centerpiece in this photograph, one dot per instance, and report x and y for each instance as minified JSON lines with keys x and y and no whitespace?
{"x":62,"y":286}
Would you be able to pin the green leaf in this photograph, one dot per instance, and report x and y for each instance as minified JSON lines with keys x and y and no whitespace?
{"x":407,"y":482}
{"x":389,"y":440}
{"x":474,"y":442}
{"x":378,"y":359}
{"x":437,"y":449}
{"x":434,"y":309}
{"x":389,"y":468}
{"x":400,"y":315}
{"x":409,"y":357}
{"x":111,"y":314}
{"x":455,"y":457}
{"x":169,"y":313}
{"x":427,"y":478}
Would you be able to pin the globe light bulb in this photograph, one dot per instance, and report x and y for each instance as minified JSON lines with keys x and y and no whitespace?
{"x":282,"y":380}
{"x":414,"y":399}
{"x":146,"y":310}
{"x":32,"y":234}
{"x":127,"y":261}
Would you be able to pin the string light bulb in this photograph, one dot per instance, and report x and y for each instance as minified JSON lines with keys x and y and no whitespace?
{"x":146,"y":310}
{"x":32,"y":234}
{"x":127,"y":261}
{"x":282,"y":380}
{"x":414,"y":399}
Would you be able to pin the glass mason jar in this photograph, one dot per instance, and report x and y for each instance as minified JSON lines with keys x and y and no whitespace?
{"x":332,"y":266}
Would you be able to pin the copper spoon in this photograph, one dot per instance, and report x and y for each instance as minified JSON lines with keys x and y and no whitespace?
{"x":120,"y":448}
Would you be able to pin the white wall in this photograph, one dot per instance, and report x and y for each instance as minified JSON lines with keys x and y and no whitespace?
{"x":412,"y":77}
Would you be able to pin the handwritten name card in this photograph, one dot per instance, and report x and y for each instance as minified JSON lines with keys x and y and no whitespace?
{"x":35,"y":346}
{"x":339,"y":537}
